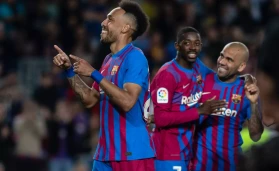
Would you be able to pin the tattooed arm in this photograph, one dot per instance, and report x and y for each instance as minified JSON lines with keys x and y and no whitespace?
{"x":136,"y":76}
{"x":255,"y":125}
{"x":252,"y":92}
{"x":88,"y":96}
{"x":125,"y":98}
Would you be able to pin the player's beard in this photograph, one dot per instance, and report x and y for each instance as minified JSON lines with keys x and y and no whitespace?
{"x":227,"y":75}
{"x":109,"y":37}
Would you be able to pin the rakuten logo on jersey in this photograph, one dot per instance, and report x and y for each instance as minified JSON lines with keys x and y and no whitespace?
{"x":192,"y":99}
{"x":226,"y":112}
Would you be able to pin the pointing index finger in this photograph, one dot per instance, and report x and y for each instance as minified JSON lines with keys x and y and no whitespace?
{"x":75,"y":57}
{"x":60,"y":51}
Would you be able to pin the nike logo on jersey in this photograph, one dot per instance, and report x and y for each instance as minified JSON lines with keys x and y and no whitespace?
{"x":204,"y":93}
{"x":185,"y":86}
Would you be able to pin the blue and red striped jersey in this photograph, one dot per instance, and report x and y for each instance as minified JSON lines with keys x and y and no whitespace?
{"x":218,"y":140}
{"x":124,"y":136}
{"x":175,"y":92}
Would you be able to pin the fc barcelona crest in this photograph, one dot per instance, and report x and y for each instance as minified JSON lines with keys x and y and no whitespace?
{"x":236,"y":98}
{"x":114,"y":70}
{"x":199,"y":79}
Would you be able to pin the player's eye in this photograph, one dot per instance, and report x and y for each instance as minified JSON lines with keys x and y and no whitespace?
{"x":109,"y":18}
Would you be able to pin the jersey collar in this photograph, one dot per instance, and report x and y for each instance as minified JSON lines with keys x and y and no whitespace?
{"x":119,"y":53}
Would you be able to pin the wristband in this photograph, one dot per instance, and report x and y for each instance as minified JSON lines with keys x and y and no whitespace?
{"x":97,"y":76}
{"x":70,"y":72}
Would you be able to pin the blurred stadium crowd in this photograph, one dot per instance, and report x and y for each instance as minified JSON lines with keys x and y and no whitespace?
{"x":43,"y":125}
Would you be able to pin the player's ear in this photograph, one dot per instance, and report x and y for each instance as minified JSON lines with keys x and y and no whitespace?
{"x":126,"y":28}
{"x":176,"y":45}
{"x":241,"y":67}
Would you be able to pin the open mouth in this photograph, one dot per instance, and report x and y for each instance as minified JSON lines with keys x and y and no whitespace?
{"x":222,"y":69}
{"x":192,"y":55}
{"x":104,"y":31}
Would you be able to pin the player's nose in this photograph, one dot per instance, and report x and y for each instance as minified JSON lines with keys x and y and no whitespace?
{"x":192,"y":47}
{"x":222,"y":61}
{"x":103,"y":24}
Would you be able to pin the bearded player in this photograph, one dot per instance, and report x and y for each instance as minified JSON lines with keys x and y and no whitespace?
{"x":119,"y":90}
{"x":218,"y":141}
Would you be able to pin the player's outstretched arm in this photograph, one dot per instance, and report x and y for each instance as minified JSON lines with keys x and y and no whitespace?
{"x":89,"y":96}
{"x":255,"y":125}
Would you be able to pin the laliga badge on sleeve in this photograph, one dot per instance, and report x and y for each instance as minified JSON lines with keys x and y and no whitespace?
{"x":162,"y":95}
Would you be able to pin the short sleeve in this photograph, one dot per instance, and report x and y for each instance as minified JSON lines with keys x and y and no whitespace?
{"x":136,"y":68}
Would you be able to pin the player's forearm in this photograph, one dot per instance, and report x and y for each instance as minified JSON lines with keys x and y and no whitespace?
{"x":165,"y":118}
{"x":118,"y":96}
{"x":255,"y":125}
{"x":89,"y":97}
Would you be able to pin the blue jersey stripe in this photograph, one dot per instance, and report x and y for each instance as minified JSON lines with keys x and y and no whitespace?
{"x":231,"y":134}
{"x":225,"y":130}
{"x":179,"y":139}
{"x":220,"y":135}
{"x":189,"y":135}
{"x":106,"y":119}
{"x":117,"y":130}
{"x":227,"y":121}
{"x":199,"y":153}
{"x":239,"y":123}
{"x":209,"y":164}
{"x":101,"y":154}
{"x":100,"y":148}
{"x":117,"y":140}
{"x":209,"y":144}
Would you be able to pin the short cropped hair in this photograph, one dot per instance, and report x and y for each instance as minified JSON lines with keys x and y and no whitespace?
{"x":142,"y":20}
{"x":181,"y":32}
